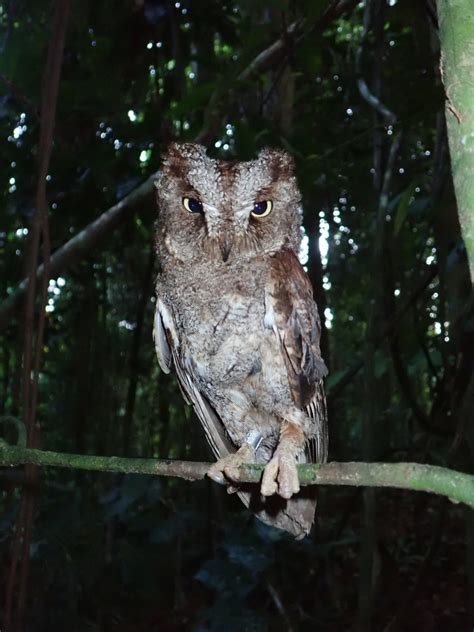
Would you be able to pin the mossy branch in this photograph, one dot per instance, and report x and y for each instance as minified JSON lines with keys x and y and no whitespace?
{"x":457,"y":486}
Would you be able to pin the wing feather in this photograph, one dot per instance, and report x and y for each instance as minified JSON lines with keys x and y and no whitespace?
{"x":170,"y":353}
{"x":162,"y":347}
{"x":293,"y":315}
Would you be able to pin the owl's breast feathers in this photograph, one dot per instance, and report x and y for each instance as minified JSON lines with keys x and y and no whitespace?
{"x":251,"y":344}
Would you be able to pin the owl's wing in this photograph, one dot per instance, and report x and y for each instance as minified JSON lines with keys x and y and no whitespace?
{"x":169,"y":354}
{"x":292,"y":313}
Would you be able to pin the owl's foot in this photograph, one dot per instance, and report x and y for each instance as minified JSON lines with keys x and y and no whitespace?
{"x":280,"y":475}
{"x":227,"y":467}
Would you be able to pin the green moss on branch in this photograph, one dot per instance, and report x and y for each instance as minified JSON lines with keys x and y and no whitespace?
{"x":457,"y":486}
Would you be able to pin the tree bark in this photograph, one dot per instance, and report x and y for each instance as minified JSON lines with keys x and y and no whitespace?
{"x":456,"y":29}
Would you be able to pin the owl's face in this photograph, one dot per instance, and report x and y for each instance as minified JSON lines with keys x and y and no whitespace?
{"x":224,"y":211}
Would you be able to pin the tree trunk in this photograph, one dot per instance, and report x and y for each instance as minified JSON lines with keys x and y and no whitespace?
{"x":456,"y":27}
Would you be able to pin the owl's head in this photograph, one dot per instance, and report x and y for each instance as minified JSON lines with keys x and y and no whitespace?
{"x":224,"y":211}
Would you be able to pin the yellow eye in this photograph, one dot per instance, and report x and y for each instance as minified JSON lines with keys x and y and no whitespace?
{"x":262,"y":209}
{"x":192,"y":205}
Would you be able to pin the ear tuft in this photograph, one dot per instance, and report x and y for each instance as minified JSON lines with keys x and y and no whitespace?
{"x":280,"y":162}
{"x":179,"y":152}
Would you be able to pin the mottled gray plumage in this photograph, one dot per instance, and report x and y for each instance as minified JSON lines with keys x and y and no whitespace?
{"x":236,"y":320}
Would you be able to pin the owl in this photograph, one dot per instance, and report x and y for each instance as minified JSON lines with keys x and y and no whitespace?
{"x":235,"y":318}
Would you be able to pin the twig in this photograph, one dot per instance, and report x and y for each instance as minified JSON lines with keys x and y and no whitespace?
{"x":364,"y":90}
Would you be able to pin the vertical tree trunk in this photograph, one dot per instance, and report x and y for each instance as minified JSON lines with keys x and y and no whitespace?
{"x":456,"y":29}
{"x":456,"y":26}
{"x":18,"y":573}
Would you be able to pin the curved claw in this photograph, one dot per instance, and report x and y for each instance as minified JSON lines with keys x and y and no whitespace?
{"x":227,"y":467}
{"x":216,"y":473}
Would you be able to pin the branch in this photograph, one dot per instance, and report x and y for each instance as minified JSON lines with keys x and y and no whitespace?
{"x":457,"y":486}
{"x":372,"y":99}
{"x":273,"y":54}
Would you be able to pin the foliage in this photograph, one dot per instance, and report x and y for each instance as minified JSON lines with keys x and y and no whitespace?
{"x":123,"y":553}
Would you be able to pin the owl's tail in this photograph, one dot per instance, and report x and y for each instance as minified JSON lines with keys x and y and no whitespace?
{"x":295,"y":516}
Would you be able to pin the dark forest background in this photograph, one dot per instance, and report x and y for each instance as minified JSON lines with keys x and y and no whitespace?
{"x":353,"y":90}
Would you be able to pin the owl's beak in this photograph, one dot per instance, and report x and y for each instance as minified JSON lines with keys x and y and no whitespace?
{"x":225,"y":244}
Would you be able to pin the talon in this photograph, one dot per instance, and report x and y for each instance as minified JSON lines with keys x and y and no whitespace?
{"x":269,"y":481}
{"x":280,"y":476}
{"x":228,"y":466}
{"x":288,"y":481}
{"x":216,"y":473}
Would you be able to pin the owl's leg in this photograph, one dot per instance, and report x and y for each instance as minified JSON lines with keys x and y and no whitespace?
{"x":227,"y":467}
{"x":280,"y":474}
